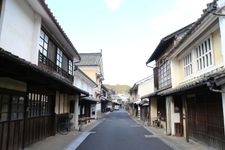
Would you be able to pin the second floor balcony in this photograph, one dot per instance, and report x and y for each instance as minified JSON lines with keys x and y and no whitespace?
{"x":48,"y":64}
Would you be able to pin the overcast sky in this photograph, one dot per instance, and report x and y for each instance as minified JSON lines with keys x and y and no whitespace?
{"x":127,"y":31}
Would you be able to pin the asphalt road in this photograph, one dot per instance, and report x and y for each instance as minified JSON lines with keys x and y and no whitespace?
{"x":119,"y":132}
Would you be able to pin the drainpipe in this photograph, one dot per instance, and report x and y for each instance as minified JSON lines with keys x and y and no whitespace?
{"x":216,"y":90}
{"x":150,"y":66}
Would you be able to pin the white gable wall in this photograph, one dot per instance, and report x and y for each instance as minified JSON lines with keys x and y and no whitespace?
{"x":20,"y":29}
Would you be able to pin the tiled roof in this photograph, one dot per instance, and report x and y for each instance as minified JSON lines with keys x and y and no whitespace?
{"x":53,"y":18}
{"x":89,"y":99}
{"x":90,"y":59}
{"x":166,"y":41}
{"x":211,"y":8}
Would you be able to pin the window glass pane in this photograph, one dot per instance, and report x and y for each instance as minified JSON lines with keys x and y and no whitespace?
{"x":4,"y":117}
{"x":43,"y":43}
{"x":46,"y":38}
{"x":21,"y":100}
{"x":5,"y":99}
{"x":13,"y":115}
{"x":14,"y":99}
{"x":5,"y":107}
{"x":20,"y":108}
{"x":42,"y":34}
{"x":20,"y":115}
{"x":209,"y":44}
{"x":45,"y":53}
{"x":45,"y":46}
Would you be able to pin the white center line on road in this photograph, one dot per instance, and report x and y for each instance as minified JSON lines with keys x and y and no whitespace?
{"x":135,"y":126}
{"x":151,"y":136}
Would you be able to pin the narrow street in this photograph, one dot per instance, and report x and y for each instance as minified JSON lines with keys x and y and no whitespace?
{"x":118,"y":131}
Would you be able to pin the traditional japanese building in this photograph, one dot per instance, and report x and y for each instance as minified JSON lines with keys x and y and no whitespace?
{"x":36,"y":73}
{"x":194,"y":68}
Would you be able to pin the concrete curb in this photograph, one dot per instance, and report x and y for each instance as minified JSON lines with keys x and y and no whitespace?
{"x":83,"y":135}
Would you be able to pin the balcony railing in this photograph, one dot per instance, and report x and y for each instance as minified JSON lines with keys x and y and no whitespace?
{"x":53,"y":67}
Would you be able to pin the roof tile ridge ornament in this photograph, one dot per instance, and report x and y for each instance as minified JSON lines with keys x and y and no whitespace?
{"x":210,"y":7}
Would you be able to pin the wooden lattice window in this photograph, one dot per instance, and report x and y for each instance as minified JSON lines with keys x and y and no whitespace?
{"x":39,"y":105}
{"x":188,"y":65}
{"x":164,"y":75}
{"x":4,"y":107}
{"x":204,"y":54}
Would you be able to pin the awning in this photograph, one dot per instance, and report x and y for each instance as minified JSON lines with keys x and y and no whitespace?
{"x":149,"y":95}
{"x":202,"y":80}
{"x":17,"y":68}
{"x":145,"y":104}
{"x":89,"y":100}
{"x":138,"y":102}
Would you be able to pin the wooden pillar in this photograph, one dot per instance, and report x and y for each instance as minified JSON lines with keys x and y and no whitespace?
{"x":149,"y":111}
{"x":223,"y":103}
{"x":186,"y":117}
{"x":76,"y":110}
{"x":168,"y":115}
{"x":26,"y":109}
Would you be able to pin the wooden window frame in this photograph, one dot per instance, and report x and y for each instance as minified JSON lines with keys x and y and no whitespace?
{"x":43,"y":43}
{"x":188,"y":70}
{"x":204,"y":54}
{"x":70,"y":67}
{"x":59,"y":56}
{"x":164,"y":75}
{"x":39,"y":105}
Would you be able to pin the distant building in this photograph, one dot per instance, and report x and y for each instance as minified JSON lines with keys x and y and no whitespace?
{"x":92,"y":65}
{"x":137,"y":106}
{"x":87,"y":104}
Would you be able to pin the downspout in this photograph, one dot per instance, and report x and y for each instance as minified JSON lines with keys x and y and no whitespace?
{"x":216,"y":90}
{"x":149,"y":66}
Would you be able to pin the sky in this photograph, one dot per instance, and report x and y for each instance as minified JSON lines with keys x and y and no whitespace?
{"x":127,"y":31}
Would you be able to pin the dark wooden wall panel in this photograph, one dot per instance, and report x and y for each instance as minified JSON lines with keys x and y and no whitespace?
{"x":4,"y":135}
{"x":38,"y":128}
{"x":206,"y":119}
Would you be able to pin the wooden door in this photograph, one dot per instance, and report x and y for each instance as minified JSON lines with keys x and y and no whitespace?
{"x":11,"y":120}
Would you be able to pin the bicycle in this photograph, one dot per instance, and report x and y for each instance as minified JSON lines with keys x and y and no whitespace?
{"x":63,"y":128}
{"x":64,"y":125}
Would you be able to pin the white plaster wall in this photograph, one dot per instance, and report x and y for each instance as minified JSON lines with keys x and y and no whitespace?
{"x":222,"y":33}
{"x":93,"y":108}
{"x":175,"y":118}
{"x":20,"y":29}
{"x":153,"y":109}
{"x":146,"y":87}
{"x":175,"y":72}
